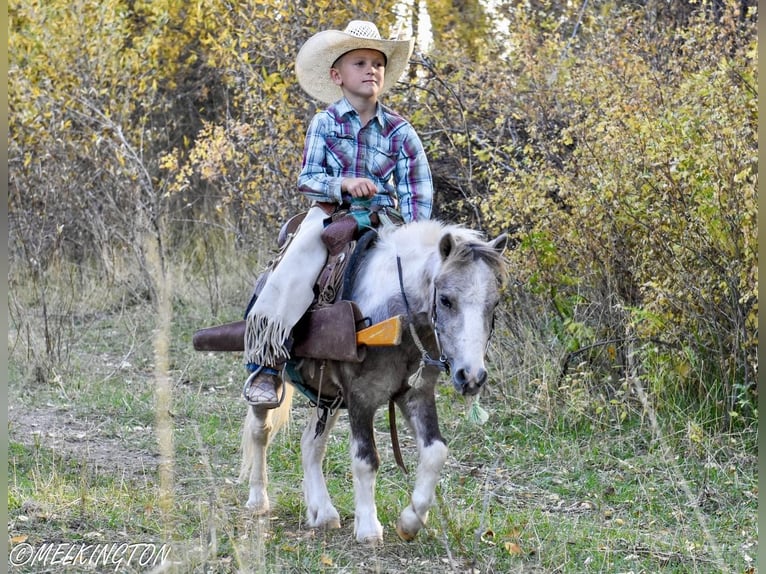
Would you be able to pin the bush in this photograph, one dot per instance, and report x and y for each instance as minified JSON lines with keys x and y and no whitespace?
{"x":636,"y":196}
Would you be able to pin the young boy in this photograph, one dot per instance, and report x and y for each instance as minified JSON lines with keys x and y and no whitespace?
{"x":357,"y":152}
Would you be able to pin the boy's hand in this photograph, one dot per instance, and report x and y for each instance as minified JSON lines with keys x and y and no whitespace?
{"x":359,"y":187}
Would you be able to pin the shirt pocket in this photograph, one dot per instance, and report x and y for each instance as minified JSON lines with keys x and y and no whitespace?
{"x":341,"y":153}
{"x":381,"y":162}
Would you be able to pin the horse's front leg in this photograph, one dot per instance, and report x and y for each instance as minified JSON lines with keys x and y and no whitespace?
{"x":419,"y":408}
{"x":365,"y":462}
{"x":320,"y":512}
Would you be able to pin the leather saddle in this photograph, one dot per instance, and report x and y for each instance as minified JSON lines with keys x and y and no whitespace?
{"x":329,"y":328}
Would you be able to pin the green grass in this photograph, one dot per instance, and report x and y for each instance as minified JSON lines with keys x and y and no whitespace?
{"x":546,"y":485}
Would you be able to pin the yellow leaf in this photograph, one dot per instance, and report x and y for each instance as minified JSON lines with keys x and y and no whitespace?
{"x":513,"y":549}
{"x":19,"y":539}
{"x":326,"y":560}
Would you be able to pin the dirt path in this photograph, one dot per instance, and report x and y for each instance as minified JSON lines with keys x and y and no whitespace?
{"x":79,"y":439}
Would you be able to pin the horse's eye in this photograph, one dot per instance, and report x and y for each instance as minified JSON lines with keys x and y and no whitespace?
{"x":444,"y":300}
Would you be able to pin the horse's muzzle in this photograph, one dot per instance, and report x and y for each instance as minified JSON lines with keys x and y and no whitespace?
{"x":466,"y":383}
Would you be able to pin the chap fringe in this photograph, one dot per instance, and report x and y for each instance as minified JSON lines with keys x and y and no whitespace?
{"x":265,"y":340}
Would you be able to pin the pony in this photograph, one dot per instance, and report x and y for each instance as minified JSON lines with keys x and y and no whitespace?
{"x":446,"y":280}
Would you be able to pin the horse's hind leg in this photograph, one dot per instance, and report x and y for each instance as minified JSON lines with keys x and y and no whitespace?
{"x":260,"y":427}
{"x":419,"y":408}
{"x":320,"y":512}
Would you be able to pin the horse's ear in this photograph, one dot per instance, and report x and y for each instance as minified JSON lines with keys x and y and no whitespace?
{"x":499,"y":243}
{"x":446,"y":245}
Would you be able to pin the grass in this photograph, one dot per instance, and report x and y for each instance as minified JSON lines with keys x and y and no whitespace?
{"x":555,"y":481}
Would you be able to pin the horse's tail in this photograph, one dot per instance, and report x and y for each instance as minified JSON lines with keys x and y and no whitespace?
{"x":276,"y":419}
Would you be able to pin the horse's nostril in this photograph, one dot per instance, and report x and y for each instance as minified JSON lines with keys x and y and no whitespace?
{"x":465,"y":382}
{"x":460,"y":377}
{"x":458,"y":381}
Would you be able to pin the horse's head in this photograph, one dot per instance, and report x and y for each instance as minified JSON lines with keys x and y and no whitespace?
{"x":466,"y":292}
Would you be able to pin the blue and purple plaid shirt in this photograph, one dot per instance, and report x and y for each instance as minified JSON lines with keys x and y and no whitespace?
{"x":387,"y":150}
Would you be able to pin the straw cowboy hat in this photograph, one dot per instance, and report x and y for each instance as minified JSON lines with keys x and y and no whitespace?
{"x":312,"y":65}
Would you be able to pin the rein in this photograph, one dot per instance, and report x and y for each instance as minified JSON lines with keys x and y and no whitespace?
{"x":442,"y":363}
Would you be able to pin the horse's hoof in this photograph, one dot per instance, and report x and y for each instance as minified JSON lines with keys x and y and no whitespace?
{"x":406,"y":536}
{"x":370,"y":540}
{"x":332,"y":524}
{"x":327,"y":520}
{"x":369,"y":533}
{"x":256,"y":508}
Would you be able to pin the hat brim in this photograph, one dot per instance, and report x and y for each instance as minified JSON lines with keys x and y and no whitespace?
{"x":317,"y":55}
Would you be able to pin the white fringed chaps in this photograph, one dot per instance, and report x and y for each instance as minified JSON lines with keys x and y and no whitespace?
{"x":287,"y":294}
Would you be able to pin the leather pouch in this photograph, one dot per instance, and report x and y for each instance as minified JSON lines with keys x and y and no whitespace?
{"x":325,"y":333}
{"x":330,"y":333}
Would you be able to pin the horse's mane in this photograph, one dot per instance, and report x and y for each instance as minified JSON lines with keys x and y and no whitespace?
{"x":467,"y":250}
{"x":470,"y":245}
{"x":424,"y":234}
{"x":415,"y":246}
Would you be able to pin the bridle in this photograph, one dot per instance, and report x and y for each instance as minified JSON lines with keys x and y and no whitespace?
{"x":443,"y":362}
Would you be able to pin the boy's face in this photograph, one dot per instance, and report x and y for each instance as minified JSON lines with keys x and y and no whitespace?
{"x":360,"y":73}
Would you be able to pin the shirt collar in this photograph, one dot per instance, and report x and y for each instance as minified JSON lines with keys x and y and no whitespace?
{"x":343,"y":108}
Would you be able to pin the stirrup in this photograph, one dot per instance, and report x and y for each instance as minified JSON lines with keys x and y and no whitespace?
{"x":249,"y":381}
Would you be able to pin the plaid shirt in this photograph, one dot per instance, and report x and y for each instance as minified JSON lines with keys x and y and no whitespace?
{"x":387,"y":150}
